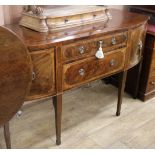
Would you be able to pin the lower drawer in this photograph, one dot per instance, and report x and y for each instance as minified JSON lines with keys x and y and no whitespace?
{"x":82,"y":71}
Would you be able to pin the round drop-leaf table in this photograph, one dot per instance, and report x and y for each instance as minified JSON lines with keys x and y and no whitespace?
{"x":15,"y":77}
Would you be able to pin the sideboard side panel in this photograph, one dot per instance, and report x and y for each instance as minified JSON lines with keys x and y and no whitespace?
{"x":136,"y":45}
{"x":44,"y":74}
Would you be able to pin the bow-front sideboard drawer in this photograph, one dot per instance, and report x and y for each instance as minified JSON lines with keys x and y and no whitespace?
{"x":89,"y":69}
{"x":84,"y":48}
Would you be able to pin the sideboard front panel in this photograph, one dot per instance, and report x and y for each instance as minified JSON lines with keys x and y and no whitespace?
{"x":83,"y":71}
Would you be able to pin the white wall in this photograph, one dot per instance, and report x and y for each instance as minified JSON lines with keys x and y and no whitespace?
{"x":1,"y":15}
{"x":121,"y":7}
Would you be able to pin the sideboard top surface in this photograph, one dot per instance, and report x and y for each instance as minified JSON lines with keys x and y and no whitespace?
{"x":121,"y":20}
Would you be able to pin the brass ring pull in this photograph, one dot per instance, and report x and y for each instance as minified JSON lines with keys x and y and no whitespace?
{"x":81,"y":49}
{"x":82,"y":72}
{"x":140,"y":44}
{"x":113,"y":41}
{"x":112,"y":62}
{"x":33,"y":75}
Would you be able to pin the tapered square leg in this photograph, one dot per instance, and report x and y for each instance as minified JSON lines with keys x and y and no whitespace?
{"x":57,"y":103}
{"x":122,"y":81}
{"x":7,"y":135}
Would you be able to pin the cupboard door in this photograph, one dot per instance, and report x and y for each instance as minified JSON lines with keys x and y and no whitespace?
{"x":43,"y":83}
{"x":137,"y":44}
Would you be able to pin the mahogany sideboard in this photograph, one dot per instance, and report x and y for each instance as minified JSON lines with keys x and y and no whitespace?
{"x":67,"y":59}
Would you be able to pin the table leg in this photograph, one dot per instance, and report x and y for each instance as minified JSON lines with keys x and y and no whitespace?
{"x":7,"y":135}
{"x":122,"y":81}
{"x":57,"y":103}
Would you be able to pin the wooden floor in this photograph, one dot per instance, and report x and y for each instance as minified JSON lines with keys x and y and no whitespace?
{"x":88,"y":121}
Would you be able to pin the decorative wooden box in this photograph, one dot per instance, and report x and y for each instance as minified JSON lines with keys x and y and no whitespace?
{"x":54,"y":18}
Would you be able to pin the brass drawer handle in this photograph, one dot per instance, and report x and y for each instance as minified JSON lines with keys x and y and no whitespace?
{"x":112,"y":62}
{"x":33,"y":75}
{"x":113,"y":41}
{"x":99,"y":54}
{"x":139,"y":48}
{"x":140,"y":44}
{"x":82,"y":72}
{"x":81,"y":49}
{"x":152,"y":82}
